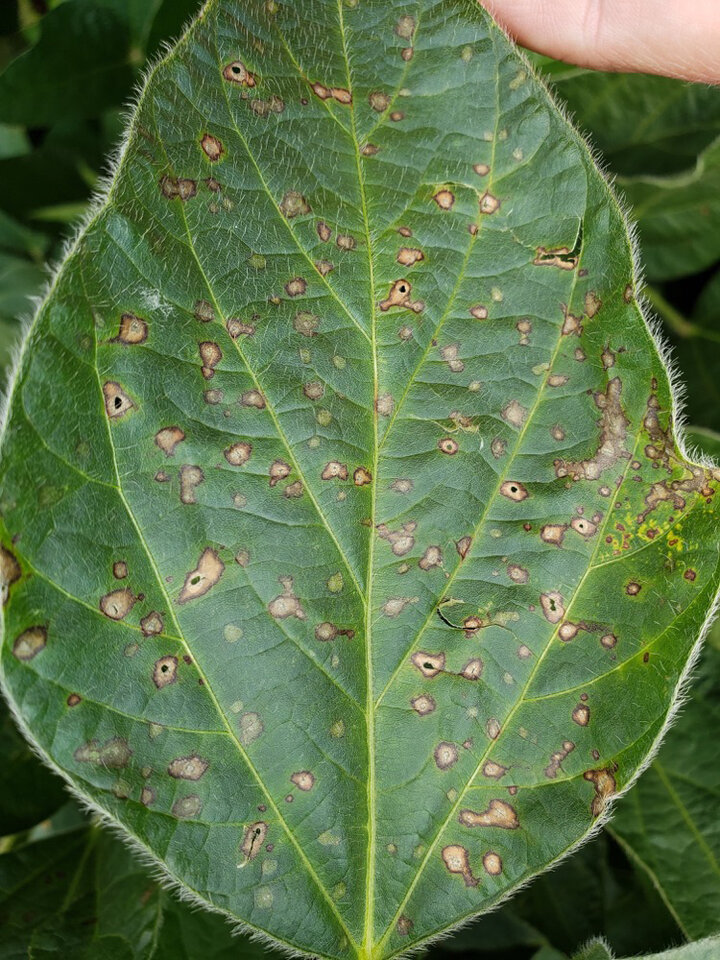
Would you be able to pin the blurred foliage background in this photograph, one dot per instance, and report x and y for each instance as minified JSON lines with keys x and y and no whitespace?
{"x":649,"y":881}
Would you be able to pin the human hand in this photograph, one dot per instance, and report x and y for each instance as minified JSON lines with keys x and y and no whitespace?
{"x":676,"y":38}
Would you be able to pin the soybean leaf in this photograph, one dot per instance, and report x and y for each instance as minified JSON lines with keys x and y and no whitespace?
{"x":78,"y":67}
{"x":677,"y":217}
{"x":678,"y":798}
{"x":353,"y":562}
{"x":81,"y":893}
{"x":704,"y":950}
{"x":642,"y":125}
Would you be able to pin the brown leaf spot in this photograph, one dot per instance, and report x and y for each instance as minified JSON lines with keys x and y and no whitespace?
{"x":168,"y":438}
{"x":433,"y":557}
{"x":407,"y":256}
{"x":132,"y":330}
{"x":400,"y":296}
{"x":633,"y":589}
{"x":556,"y":759}
{"x":581,"y":715}
{"x":237,"y":72}
{"x":605,"y":787}
{"x":253,"y":839}
{"x":361,"y":477}
{"x":117,"y":402}
{"x":379,"y":101}
{"x":553,"y":606}
{"x":404,"y":926}
{"x":493,"y":771}
{"x":253,"y":398}
{"x":279,"y":470}
{"x":488,"y":203}
{"x":238,"y":454}
{"x":517,"y":573}
{"x":613,"y":433}
{"x":498,"y":814}
{"x":446,"y":755}
{"x":303,"y":780}
{"x":251,"y":727}
{"x":120,"y":569}
{"x":444,"y":199}
{"x":165,"y":671}
{"x":212,"y":147}
{"x":559,"y":257}
{"x":294,"y":491}
{"x":113,"y":754}
{"x":73,"y":699}
{"x":182,"y":187}
{"x":448,"y":445}
{"x":514,"y":413}
{"x":117,"y":604}
{"x":514,"y":490}
{"x":190,"y":478}
{"x":429,"y":664}
{"x":481,"y":169}
{"x":287,"y":604}
{"x":237,"y":327}
{"x":263,"y":108}
{"x":457,"y":860}
{"x":211,"y":355}
{"x":294,"y":204}
{"x":334,"y":470}
{"x":29,"y":643}
{"x":188,"y":768}
{"x":463,"y":546}
{"x":296,"y":287}
{"x":306,"y":323}
{"x":593,"y":303}
{"x":345,"y":242}
{"x":553,"y":533}
{"x":10,"y":572}
{"x":185,"y":808}
{"x":492,"y":863}
{"x":207,"y":573}
{"x":152,"y":624}
{"x":423,"y":705}
{"x":323,"y":231}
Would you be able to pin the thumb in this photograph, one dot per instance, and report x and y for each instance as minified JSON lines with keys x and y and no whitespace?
{"x":676,"y":38}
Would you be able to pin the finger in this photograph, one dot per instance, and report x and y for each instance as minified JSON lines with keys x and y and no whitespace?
{"x":679,"y":38}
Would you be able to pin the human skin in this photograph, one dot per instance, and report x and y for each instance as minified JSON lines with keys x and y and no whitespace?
{"x":675,"y":38}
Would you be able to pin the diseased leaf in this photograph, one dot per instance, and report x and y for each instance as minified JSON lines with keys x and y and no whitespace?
{"x":82,"y":893}
{"x":677,"y":217}
{"x":642,"y":125}
{"x":339,"y":481}
{"x":678,"y":798}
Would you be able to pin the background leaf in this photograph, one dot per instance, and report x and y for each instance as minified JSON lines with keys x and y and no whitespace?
{"x":669,"y":821}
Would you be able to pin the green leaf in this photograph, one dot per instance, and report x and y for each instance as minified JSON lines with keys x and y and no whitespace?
{"x":81,"y":893}
{"x":705,"y":950}
{"x":28,"y":791}
{"x":677,"y":217}
{"x":358,"y":566}
{"x":641,"y":124}
{"x":78,"y":67}
{"x":669,"y":821}
{"x":19,"y":280}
